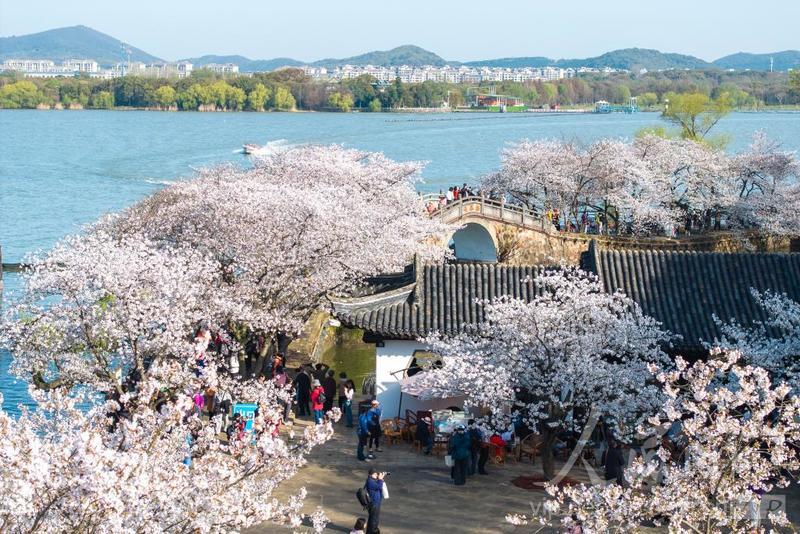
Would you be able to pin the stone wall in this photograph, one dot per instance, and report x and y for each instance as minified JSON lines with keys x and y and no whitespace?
{"x":518,"y":245}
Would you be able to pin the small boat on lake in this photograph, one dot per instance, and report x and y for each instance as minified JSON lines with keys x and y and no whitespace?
{"x":250,"y":148}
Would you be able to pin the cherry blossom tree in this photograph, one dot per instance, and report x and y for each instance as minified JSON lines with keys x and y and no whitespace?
{"x":740,"y":431}
{"x":300,"y":225}
{"x":571,"y":350}
{"x":768,"y":187}
{"x":774,"y":344}
{"x":124,"y":314}
{"x":255,"y":249}
{"x":654,"y":184}
{"x":158,"y":470}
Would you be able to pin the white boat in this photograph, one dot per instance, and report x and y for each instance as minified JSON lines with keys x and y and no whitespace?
{"x":250,"y":148}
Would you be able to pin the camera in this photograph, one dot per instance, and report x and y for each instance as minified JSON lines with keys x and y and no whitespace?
{"x":387,"y":473}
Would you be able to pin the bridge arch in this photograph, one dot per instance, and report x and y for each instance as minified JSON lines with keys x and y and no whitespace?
{"x":474,"y":242}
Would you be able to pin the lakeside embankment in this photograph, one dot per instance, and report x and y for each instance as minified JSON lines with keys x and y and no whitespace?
{"x":569,"y":110}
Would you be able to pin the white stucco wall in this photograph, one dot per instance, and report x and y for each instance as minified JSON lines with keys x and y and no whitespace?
{"x":396,"y":356}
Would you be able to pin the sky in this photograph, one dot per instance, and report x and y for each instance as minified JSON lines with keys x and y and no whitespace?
{"x":456,"y":30}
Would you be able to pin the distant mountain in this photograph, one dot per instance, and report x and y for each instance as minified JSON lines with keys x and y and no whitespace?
{"x":626,"y":59}
{"x":788,"y":59}
{"x":79,"y":42}
{"x":513,"y":62}
{"x":82,"y":42}
{"x":246,"y":64}
{"x":402,"y":55}
{"x":638,"y":58}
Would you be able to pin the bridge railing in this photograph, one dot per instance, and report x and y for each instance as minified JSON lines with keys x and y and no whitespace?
{"x":486,"y":207}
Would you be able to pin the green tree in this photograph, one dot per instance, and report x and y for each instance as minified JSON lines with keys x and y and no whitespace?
{"x":235,"y":99}
{"x":622,"y":94}
{"x":75,"y":93}
{"x":374,"y":105}
{"x":204,"y":94}
{"x":647,"y":100}
{"x":219,"y":93}
{"x":102,"y":100}
{"x":282,"y":99}
{"x":165,"y":97}
{"x":23,"y":94}
{"x":548,"y":94}
{"x":531,"y":96}
{"x":258,"y":97}
{"x":794,"y":82}
{"x":340,"y":101}
{"x":696,"y":114}
{"x":195,"y":96}
{"x":134,"y":91}
{"x":566,"y":94}
{"x":361,"y":88}
{"x":455,"y":98}
{"x":738,"y":97}
{"x":394,"y":95}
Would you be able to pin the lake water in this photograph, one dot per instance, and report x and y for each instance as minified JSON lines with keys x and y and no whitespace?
{"x":60,"y":170}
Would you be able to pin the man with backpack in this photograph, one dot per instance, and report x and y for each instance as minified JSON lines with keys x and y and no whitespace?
{"x":371,"y":496}
{"x":362,"y":431}
{"x":318,"y":402}
{"x":375,"y":426}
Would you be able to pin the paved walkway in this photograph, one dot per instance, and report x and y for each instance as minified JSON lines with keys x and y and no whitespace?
{"x":422,"y":496}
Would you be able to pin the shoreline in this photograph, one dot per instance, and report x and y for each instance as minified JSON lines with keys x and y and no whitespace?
{"x":569,"y":111}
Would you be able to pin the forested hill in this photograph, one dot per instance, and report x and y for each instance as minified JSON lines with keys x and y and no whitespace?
{"x":626,"y":59}
{"x":402,"y":55}
{"x":788,"y":59}
{"x":73,"y":42}
{"x":513,"y":62}
{"x":636,"y":59}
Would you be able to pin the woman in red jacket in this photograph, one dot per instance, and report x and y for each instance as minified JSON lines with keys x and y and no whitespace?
{"x":317,"y":401}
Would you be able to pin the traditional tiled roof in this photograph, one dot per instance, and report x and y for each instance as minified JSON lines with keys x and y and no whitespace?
{"x":443,"y":298}
{"x":684,"y":290}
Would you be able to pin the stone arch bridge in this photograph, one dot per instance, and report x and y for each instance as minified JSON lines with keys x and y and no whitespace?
{"x":491,"y":230}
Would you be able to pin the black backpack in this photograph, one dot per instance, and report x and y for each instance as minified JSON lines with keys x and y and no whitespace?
{"x":321,"y":398}
{"x":363,"y":497}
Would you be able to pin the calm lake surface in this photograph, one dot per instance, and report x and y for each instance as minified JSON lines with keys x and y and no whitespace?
{"x":60,"y":170}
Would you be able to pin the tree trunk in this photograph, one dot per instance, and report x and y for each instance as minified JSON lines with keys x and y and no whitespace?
{"x":265,"y":353}
{"x":548,"y":460}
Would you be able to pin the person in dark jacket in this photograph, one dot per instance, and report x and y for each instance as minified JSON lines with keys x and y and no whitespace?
{"x":329,"y":385}
{"x":375,"y":426}
{"x":374,"y":486}
{"x":424,"y":434}
{"x":459,"y":449}
{"x":475,"y":440}
{"x":615,"y":462}
{"x":362,"y":431}
{"x":302,"y":384}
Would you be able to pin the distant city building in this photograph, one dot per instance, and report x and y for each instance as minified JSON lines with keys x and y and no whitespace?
{"x":222,"y":68}
{"x":384,"y":75}
{"x":180,"y":69}
{"x":48,"y":68}
{"x":448,"y":73}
